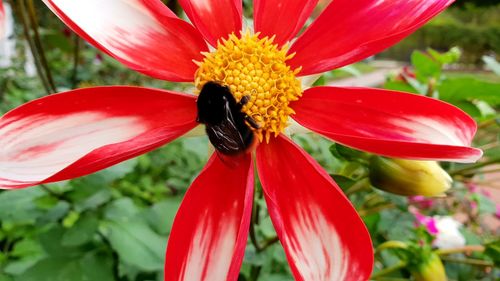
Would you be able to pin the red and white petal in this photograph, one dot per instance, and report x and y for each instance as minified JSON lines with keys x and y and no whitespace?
{"x":389,"y":123}
{"x":75,"y":133}
{"x":142,"y":34}
{"x":209,"y":234}
{"x":323,"y":236}
{"x":215,"y":19}
{"x":283,"y":18}
{"x":348,"y":31}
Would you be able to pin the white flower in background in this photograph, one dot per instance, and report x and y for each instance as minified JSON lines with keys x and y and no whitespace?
{"x":448,"y":233}
{"x":7,"y":42}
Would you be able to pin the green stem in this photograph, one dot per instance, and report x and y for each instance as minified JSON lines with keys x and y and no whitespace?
{"x":39,"y":69}
{"x":358,"y":186}
{"x":465,"y":249}
{"x":255,"y":221}
{"x":482,"y":172}
{"x":366,"y":212}
{"x":255,"y":269}
{"x":38,"y":43}
{"x":255,"y":272}
{"x":494,"y":160}
{"x":475,"y":262}
{"x":390,"y":245}
{"x":76,"y":60}
{"x":389,"y":270}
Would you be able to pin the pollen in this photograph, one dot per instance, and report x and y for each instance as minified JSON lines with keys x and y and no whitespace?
{"x":255,"y":68}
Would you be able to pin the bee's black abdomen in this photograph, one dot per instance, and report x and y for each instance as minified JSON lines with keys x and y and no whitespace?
{"x":225,"y":122}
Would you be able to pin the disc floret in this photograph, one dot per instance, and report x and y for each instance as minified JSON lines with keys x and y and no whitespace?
{"x":255,"y":67}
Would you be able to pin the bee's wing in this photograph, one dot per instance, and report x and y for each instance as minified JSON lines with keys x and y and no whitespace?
{"x":225,"y":136}
{"x":232,"y":123}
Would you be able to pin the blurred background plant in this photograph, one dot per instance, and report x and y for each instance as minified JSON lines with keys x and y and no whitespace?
{"x":113,"y":225}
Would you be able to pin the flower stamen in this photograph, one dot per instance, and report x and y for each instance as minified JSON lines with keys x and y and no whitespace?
{"x":255,"y":67}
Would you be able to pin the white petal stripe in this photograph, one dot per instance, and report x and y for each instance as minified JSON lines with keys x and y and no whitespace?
{"x":39,"y":146}
{"x":316,"y":248}
{"x":212,"y":248}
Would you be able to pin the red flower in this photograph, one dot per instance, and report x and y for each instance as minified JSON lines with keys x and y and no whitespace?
{"x":2,"y":20}
{"x":78,"y":132}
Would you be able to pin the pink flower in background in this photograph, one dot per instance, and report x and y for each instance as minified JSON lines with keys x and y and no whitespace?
{"x":428,"y":222}
{"x":421,"y":202}
{"x":78,"y":132}
{"x":472,"y":187}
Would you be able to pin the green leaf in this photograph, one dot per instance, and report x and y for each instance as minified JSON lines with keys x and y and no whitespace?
{"x":470,"y":108}
{"x":26,"y":247}
{"x":492,"y":250}
{"x":82,"y":232}
{"x":118,"y":171}
{"x":404,"y":222}
{"x":136,"y":244}
{"x":17,"y":267}
{"x":4,"y":277}
{"x":19,"y":206}
{"x":91,"y":266}
{"x":27,"y":252}
{"x":71,"y":219}
{"x":161,"y":215}
{"x":121,"y":210}
{"x":341,"y":151}
{"x":56,"y":213}
{"x":400,"y":86}
{"x":46,"y":202}
{"x":485,"y":204}
{"x":50,"y":240}
{"x":452,"y":56}
{"x":89,"y":192}
{"x":468,"y":88}
{"x":425,"y":66}
{"x":352,"y":70}
{"x":371,"y":222}
{"x":321,"y":81}
{"x":343,"y":181}
{"x":470,"y":237}
{"x":198,"y":145}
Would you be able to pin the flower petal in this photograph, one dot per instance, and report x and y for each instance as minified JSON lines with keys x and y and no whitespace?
{"x":2,"y":20}
{"x":283,"y":18}
{"x":348,"y":31}
{"x":389,"y":123}
{"x":323,"y":236}
{"x":142,"y":34}
{"x":215,"y":19}
{"x":210,"y":230}
{"x":75,"y":133}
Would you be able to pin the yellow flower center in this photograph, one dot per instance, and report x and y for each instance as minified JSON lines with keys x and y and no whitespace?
{"x":254,"y":67}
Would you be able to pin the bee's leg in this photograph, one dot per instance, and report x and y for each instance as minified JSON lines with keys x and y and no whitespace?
{"x":252,"y":122}
{"x":244,"y":100}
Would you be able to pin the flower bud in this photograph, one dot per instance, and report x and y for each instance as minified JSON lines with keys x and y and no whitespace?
{"x":409,"y":177}
{"x":430,"y":269}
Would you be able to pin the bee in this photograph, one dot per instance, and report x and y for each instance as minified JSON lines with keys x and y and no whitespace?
{"x":228,"y":128}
